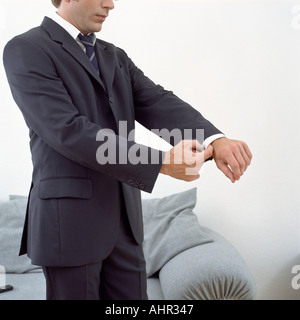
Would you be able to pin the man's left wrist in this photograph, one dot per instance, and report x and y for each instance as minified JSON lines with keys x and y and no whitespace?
{"x":211,"y":139}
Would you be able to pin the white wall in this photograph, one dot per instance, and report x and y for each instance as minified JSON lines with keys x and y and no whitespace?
{"x":238,"y":62}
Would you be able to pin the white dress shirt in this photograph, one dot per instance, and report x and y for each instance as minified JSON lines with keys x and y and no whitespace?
{"x":72,"y":30}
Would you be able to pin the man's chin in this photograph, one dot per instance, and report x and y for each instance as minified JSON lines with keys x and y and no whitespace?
{"x":97,"y":27}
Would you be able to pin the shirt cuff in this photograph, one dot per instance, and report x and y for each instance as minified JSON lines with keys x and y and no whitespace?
{"x":212,"y":138}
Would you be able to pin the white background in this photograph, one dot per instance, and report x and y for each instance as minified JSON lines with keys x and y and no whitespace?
{"x":238,"y":63}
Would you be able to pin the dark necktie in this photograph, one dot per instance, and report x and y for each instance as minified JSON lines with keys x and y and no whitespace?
{"x":87,"y":41}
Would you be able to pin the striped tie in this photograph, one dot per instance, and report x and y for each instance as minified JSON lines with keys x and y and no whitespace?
{"x":87,"y":41}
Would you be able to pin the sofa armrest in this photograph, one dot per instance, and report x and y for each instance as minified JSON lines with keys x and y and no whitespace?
{"x":210,"y":271}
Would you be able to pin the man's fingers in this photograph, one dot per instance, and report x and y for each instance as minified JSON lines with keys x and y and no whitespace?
{"x":225,"y":169}
{"x":201,"y":155}
{"x":196,"y":146}
{"x":243,"y":157}
{"x":247,"y":152}
{"x":234,"y":165}
{"x":208,"y":152}
{"x":184,"y":161}
{"x":246,"y":158}
{"x":237,"y":164}
{"x":232,"y":157}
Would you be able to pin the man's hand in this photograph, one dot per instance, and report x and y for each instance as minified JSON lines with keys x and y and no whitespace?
{"x":185,"y":160}
{"x":232,"y":157}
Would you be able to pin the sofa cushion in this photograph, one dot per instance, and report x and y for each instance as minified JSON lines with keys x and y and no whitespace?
{"x":12,"y":216}
{"x":170,"y":227}
{"x":214,"y":271}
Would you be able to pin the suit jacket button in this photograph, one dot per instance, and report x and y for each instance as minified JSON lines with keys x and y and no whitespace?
{"x":142,"y":186}
{"x":136,"y":184}
{"x":111,"y":100}
{"x":131,"y":182}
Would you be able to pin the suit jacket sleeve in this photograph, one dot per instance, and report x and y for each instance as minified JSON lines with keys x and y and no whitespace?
{"x":157,"y":108}
{"x":50,"y":113}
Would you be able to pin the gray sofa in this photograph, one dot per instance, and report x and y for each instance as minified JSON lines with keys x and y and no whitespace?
{"x":185,"y":261}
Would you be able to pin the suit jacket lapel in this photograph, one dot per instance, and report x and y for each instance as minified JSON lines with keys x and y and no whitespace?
{"x":106,"y":63}
{"x":58,"y":34}
{"x":103,"y":53}
{"x":107,"y":70}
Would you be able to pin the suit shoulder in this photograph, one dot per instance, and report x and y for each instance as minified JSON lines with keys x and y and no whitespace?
{"x":31,"y":36}
{"x":23,"y":48}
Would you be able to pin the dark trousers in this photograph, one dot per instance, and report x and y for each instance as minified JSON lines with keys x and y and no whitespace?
{"x":120,"y":276}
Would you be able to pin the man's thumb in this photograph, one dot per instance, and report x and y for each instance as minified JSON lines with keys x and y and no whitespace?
{"x":208,"y":152}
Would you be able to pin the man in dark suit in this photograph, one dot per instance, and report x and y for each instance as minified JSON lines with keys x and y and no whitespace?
{"x":84,"y":220}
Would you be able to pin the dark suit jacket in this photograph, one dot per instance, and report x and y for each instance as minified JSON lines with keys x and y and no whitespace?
{"x":74,"y":203}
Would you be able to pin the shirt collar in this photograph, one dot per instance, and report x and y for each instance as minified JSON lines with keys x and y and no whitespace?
{"x":72,"y":30}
